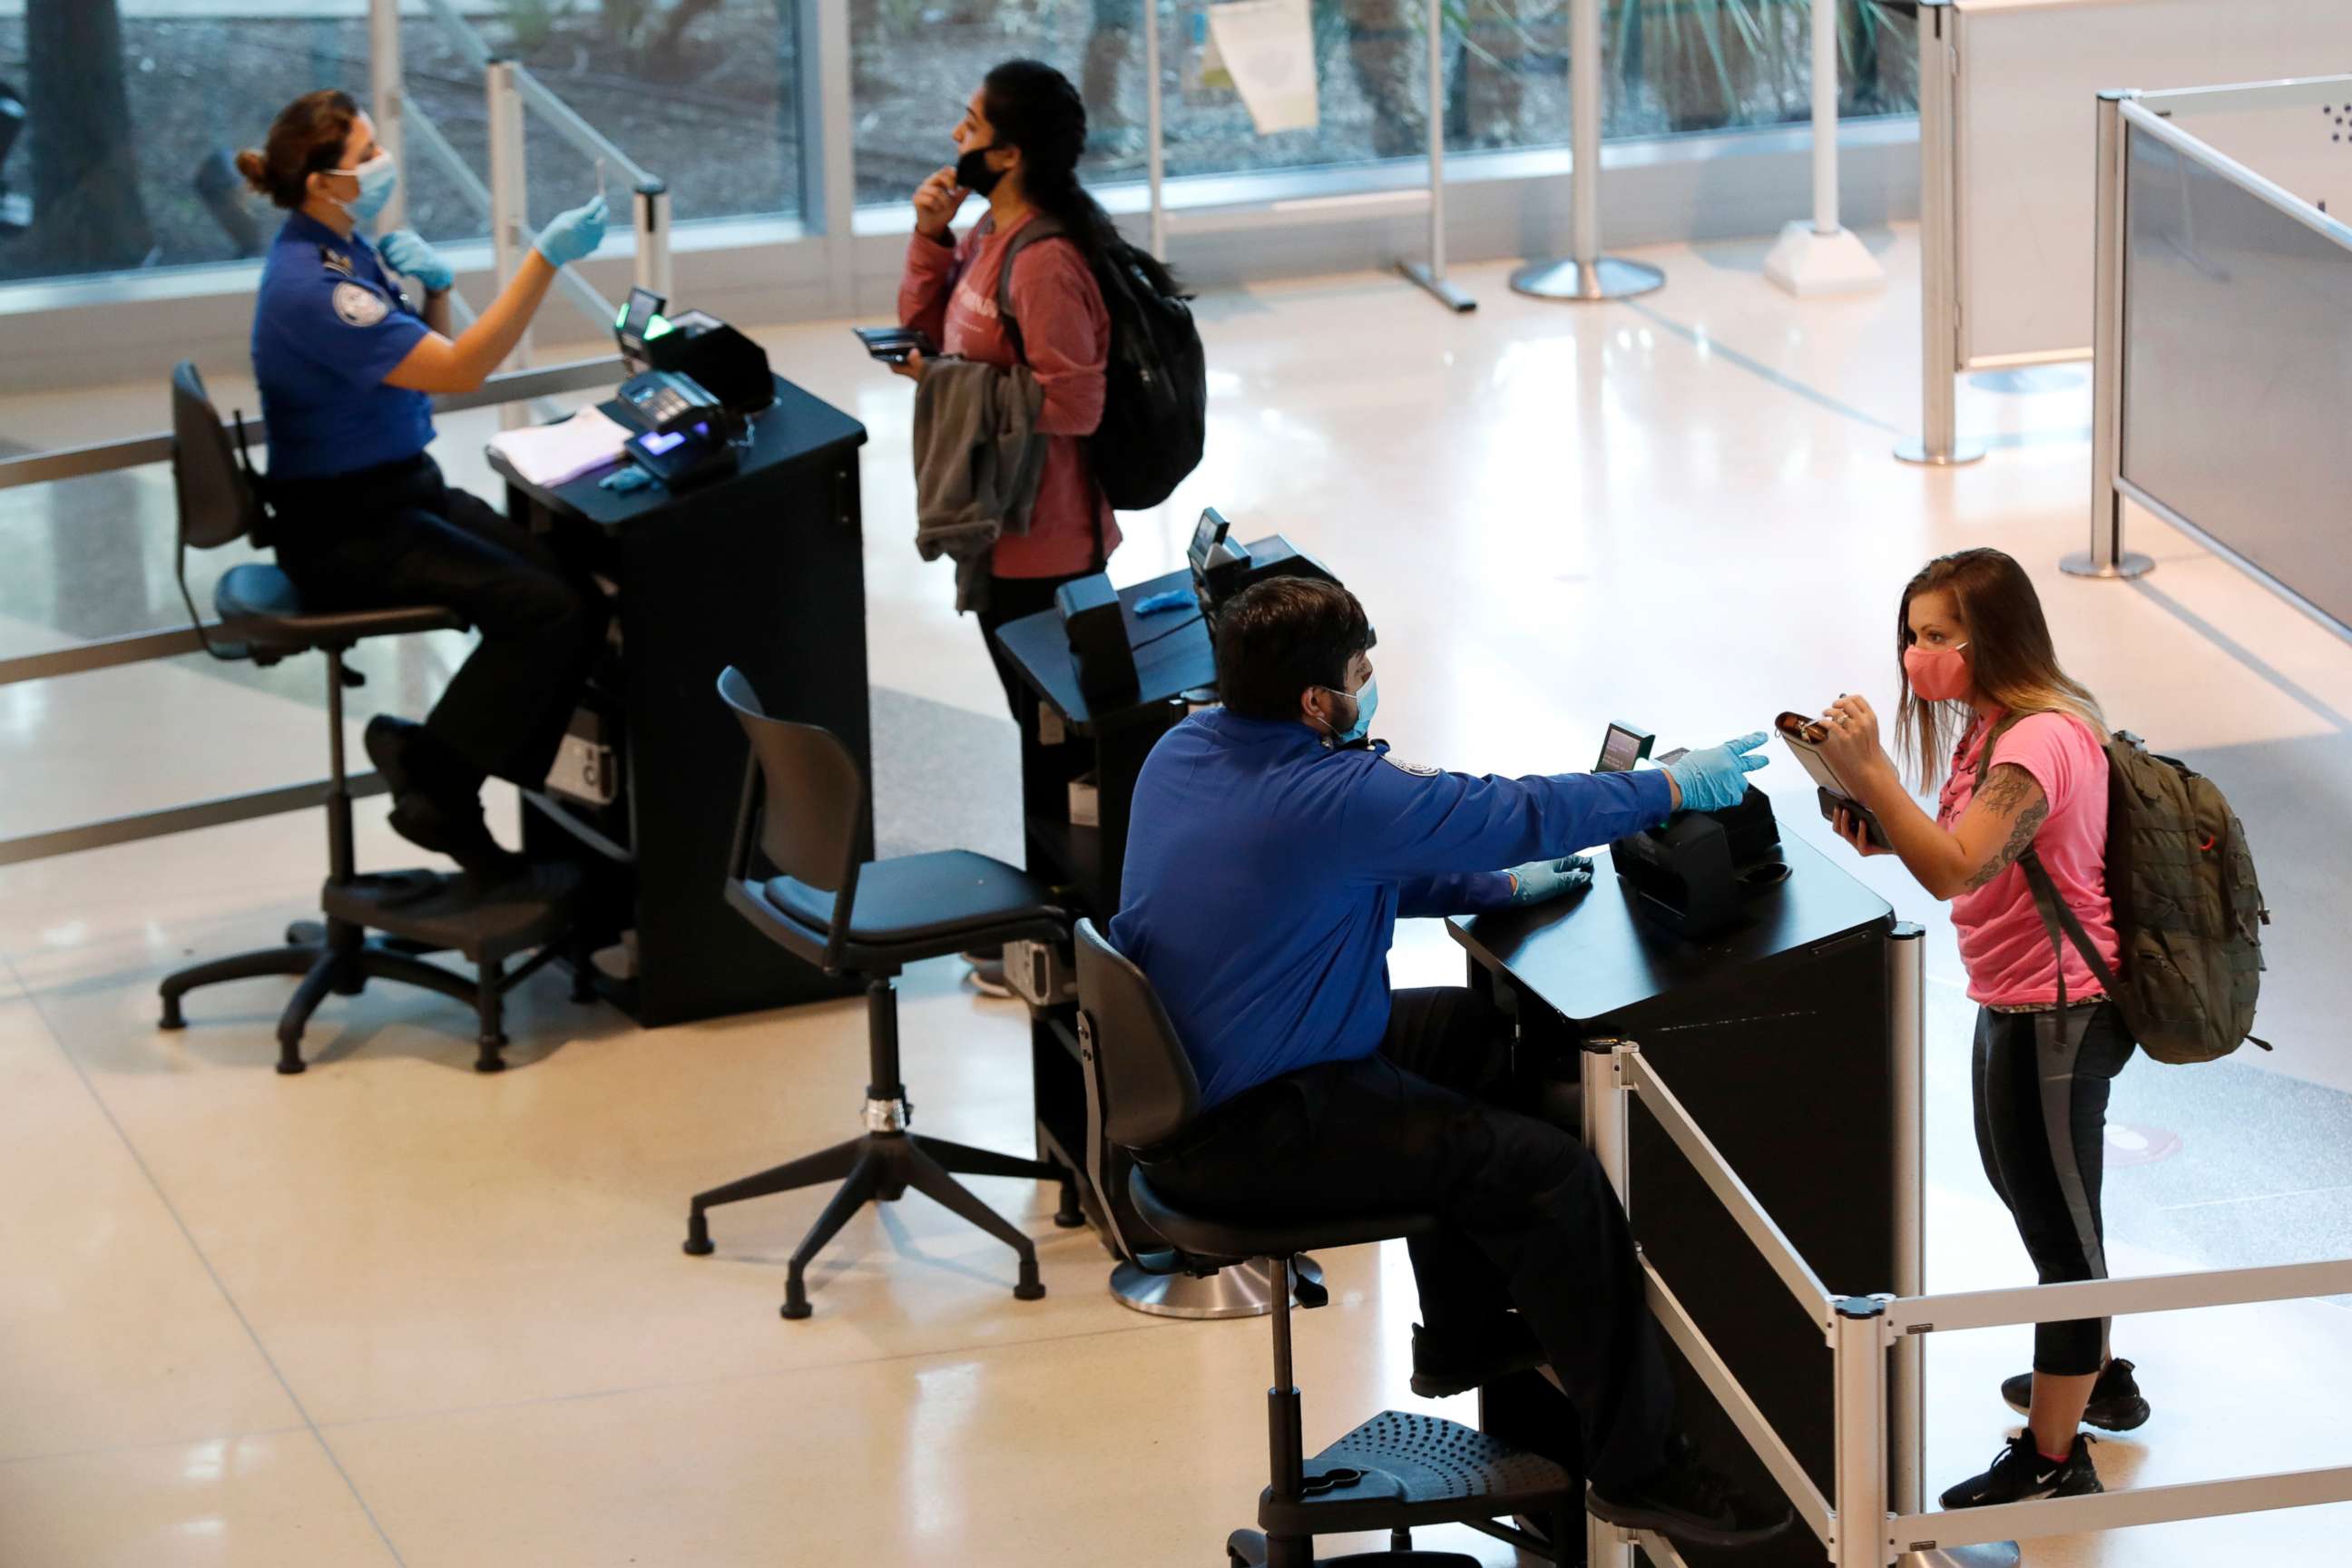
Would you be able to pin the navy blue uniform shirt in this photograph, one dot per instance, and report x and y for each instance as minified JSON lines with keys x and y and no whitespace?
{"x":1265,"y":873}
{"x":327,"y":326}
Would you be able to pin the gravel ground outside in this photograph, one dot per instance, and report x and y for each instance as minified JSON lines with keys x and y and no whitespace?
{"x":717,"y":117}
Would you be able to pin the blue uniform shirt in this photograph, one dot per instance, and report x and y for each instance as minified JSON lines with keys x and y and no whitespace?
{"x":1265,"y":873}
{"x":328,"y":327}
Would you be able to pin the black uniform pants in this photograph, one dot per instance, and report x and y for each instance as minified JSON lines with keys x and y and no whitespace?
{"x":400,"y":536}
{"x":2041,"y":1081}
{"x":1527,"y":1217}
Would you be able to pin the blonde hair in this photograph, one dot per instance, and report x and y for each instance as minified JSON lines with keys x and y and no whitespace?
{"x":2010,"y":659}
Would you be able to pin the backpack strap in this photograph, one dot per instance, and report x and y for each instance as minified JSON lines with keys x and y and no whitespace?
{"x":2055,"y":913}
{"x":1036,"y":228}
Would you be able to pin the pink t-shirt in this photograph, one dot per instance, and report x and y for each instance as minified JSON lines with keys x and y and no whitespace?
{"x":2004,"y":946}
{"x":951,"y":294}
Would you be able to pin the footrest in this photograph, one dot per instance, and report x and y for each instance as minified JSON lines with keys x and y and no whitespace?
{"x":1402,"y":1469}
{"x":458,"y":914}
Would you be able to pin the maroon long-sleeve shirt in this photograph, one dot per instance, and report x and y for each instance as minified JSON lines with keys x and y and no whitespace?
{"x":950,"y":293}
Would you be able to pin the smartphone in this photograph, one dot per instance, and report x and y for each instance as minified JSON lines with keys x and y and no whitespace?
{"x":892,"y":345}
{"x":1833,"y":803}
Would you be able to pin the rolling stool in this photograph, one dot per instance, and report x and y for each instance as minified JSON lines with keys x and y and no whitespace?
{"x":1395,"y":1472}
{"x":804,"y":794}
{"x":421,"y":912}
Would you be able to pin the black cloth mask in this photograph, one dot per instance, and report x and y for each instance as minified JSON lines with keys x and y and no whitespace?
{"x":972,"y":172}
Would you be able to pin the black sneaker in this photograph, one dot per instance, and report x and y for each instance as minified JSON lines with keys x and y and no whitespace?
{"x":2020,"y":1474}
{"x":1686,"y":1501}
{"x":438,"y":820}
{"x":2117,"y":1404}
{"x":1445,"y":1365}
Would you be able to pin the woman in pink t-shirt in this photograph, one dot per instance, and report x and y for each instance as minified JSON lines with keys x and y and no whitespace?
{"x":1018,"y":146}
{"x":1979,"y":674}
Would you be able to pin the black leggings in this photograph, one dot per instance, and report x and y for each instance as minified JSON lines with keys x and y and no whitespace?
{"x":1009,"y":599}
{"x":1432,"y":1123}
{"x":2041,"y":1086}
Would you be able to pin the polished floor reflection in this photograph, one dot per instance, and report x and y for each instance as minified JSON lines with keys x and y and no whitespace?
{"x":393,"y":1313}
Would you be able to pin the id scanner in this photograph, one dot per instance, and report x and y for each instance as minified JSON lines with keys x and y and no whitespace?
{"x":1695,"y":875}
{"x":1222,"y":565}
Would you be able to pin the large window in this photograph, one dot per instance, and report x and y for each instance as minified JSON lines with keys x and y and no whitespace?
{"x":121,"y":155}
{"x":1674,"y":67}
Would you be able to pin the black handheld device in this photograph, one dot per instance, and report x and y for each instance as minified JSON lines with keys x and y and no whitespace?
{"x":892,"y":345}
{"x":1622,"y":747}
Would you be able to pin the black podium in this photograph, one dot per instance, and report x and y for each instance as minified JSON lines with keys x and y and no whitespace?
{"x":762,"y":570}
{"x":1065,"y":735}
{"x":1782,"y":1037}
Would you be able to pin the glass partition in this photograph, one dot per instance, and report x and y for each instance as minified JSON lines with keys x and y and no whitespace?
{"x":1676,"y":66}
{"x":118,"y":123}
{"x":2238,"y":327}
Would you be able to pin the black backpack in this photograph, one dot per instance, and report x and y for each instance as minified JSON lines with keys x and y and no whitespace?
{"x":1155,"y":417}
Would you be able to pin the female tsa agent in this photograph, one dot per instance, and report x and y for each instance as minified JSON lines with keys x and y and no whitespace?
{"x":360,"y":515}
{"x":1977,"y":665}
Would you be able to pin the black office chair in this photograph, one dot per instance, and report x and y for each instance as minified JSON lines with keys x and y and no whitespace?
{"x":1395,"y":1472}
{"x":264,"y":619}
{"x":805,"y":809}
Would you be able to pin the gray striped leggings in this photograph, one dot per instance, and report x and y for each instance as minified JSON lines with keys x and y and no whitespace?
{"x":2041,"y":1084}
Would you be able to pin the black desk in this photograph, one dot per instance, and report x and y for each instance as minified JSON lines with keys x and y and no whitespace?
{"x":762,"y":570}
{"x":1781,"y":1039}
{"x":1109,"y":737}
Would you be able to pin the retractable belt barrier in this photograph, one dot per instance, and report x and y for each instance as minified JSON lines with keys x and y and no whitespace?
{"x":1859,"y":1529}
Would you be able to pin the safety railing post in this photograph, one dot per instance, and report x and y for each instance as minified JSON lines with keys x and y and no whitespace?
{"x":509,"y":212}
{"x":1938,"y":444}
{"x":1821,"y":258}
{"x":1431,"y":275}
{"x":653,"y":237}
{"x":2106,"y":556}
{"x":1906,"y":996}
{"x":1153,"y":129}
{"x":1587,"y":275}
{"x":1606,"y":1134}
{"x":1858,"y":1342}
{"x":387,"y":100}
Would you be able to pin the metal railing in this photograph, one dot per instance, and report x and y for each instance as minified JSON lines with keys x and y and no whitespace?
{"x":171,"y":642}
{"x":1877,"y":1516}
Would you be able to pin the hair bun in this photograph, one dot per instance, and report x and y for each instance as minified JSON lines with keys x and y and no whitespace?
{"x":256,"y":170}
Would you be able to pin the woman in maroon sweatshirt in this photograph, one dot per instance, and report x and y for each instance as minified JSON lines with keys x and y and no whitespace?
{"x":1018,"y":144}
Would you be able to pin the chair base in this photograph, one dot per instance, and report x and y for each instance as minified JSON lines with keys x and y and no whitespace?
{"x":880,"y":1167}
{"x":1249,"y":1549}
{"x":1236,"y":1291}
{"x":344,"y":968}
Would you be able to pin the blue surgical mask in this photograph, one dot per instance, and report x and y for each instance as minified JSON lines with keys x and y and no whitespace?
{"x":1368,"y":702}
{"x":378,"y":178}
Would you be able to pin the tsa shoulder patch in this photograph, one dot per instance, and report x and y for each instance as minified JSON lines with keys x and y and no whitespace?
{"x":356,"y":306}
{"x":1418,"y":769}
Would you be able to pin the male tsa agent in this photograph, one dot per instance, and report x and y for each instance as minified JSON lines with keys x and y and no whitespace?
{"x":361,"y":517}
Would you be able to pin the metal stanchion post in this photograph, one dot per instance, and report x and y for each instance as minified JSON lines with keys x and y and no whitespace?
{"x":1431,"y":275}
{"x":653,"y":237}
{"x":1153,"y":124}
{"x":1606,"y":1134}
{"x":1823,"y":256}
{"x":385,"y":97}
{"x":1586,"y":275}
{"x":510,"y":215}
{"x":1858,"y":1342}
{"x":1938,"y":444}
{"x":2106,"y":557}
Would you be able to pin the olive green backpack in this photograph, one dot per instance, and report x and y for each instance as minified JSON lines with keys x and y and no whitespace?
{"x":2187,"y":909}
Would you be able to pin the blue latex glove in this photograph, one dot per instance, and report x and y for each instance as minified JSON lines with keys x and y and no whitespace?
{"x":1716,"y":778}
{"x":1540,"y":881}
{"x":1173,"y":599}
{"x":411,"y":258}
{"x":573,"y":235}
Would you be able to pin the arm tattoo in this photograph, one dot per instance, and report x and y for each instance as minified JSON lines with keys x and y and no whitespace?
{"x":2011,"y":789}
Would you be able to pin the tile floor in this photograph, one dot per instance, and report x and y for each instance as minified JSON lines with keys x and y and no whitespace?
{"x":393,"y":1312}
